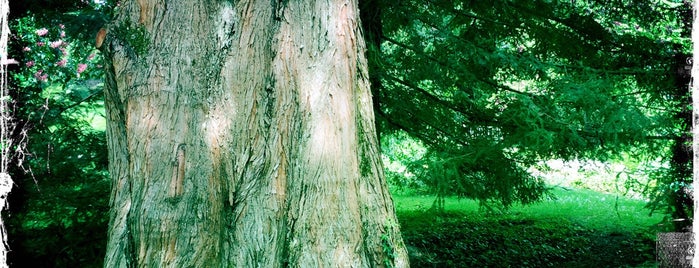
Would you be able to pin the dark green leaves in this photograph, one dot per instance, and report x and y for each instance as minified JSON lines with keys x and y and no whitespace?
{"x":492,"y":88}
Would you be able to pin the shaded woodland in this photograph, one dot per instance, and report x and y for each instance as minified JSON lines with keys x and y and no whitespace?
{"x":468,"y":97}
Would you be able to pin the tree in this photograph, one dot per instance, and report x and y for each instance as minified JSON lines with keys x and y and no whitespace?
{"x":241,"y":134}
{"x":679,"y":178}
{"x":494,"y":88}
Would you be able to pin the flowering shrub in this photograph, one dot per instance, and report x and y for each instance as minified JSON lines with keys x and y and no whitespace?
{"x":58,"y":112}
{"x":51,"y":57}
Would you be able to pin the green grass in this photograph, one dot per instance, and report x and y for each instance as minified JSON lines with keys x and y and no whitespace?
{"x":594,"y":210}
{"x":580,"y":228}
{"x":585,"y":207}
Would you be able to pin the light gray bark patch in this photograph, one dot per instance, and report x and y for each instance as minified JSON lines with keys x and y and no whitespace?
{"x":226,"y":28}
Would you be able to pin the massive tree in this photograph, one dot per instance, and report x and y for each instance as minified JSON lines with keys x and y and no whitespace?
{"x":241,"y":134}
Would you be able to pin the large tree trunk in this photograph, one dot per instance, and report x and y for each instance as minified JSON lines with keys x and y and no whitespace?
{"x":241,"y":134}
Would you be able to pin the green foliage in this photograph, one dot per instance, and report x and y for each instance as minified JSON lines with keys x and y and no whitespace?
{"x":59,"y":209}
{"x":135,"y":36}
{"x":51,"y":58}
{"x":400,"y":155}
{"x":388,"y":250}
{"x":491,"y":89}
{"x":626,"y":176}
{"x":422,"y":170}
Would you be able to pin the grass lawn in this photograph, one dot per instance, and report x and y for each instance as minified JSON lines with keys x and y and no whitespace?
{"x":580,"y":228}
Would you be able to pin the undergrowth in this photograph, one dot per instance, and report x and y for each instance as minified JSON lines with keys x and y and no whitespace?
{"x":457,"y":240}
{"x":554,"y":233}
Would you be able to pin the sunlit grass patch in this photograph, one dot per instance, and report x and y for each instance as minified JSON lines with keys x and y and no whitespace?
{"x":589,"y":208}
{"x":593,"y":210}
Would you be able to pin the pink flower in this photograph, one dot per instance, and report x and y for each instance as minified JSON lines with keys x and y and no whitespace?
{"x":30,"y":63}
{"x":56,"y":44}
{"x":40,"y":44}
{"x":39,"y":75}
{"x":63,"y":34}
{"x":81,"y":67}
{"x":42,"y":32}
{"x":61,"y":26}
{"x":26,"y":49}
{"x":62,"y":63}
{"x":65,"y":52}
{"x":92,"y":56}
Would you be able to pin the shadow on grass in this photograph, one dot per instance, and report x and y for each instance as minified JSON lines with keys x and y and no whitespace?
{"x":456,"y":239}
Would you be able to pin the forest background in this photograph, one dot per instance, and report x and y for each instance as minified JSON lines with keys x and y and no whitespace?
{"x":473,"y":100}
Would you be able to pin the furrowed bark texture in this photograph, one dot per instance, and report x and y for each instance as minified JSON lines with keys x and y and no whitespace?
{"x":242,"y":135}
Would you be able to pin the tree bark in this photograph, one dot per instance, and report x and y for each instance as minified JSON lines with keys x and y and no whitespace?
{"x":241,"y":134}
{"x":680,"y":201}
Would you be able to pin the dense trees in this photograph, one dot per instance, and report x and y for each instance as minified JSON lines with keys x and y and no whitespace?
{"x":493,"y":88}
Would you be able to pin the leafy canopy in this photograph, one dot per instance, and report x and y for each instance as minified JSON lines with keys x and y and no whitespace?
{"x":491,"y":88}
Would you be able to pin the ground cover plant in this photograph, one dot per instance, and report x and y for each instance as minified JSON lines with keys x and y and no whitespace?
{"x":580,"y":228}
